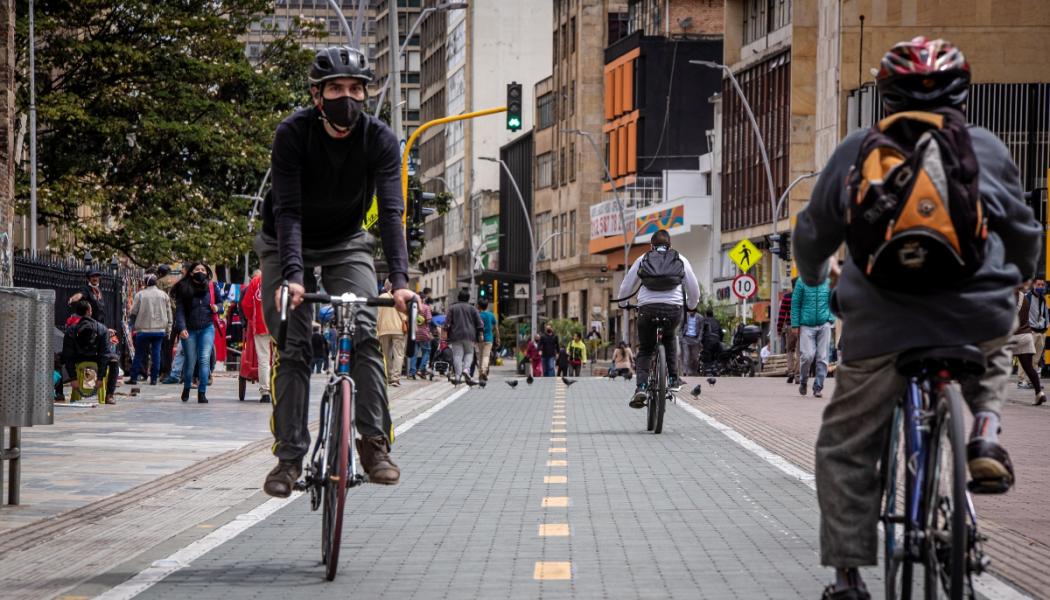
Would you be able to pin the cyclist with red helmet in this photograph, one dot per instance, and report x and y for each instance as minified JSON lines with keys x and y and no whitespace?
{"x":328,"y":161}
{"x":930,"y":77}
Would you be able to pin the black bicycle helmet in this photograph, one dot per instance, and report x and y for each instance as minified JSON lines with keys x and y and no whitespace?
{"x":923,"y":73}
{"x":340,"y":61}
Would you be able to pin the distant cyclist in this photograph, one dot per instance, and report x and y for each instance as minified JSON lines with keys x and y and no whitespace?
{"x":666,"y":287}
{"x":328,"y":161}
{"x":888,"y":300}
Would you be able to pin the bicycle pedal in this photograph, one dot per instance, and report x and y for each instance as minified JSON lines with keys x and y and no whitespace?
{"x":300,"y":486}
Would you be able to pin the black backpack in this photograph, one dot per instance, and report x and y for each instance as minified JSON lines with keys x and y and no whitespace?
{"x":86,"y":337}
{"x":661,"y":270}
{"x":916,"y":222}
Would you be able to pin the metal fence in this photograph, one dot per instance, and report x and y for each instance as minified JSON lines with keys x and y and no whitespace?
{"x":67,"y":276}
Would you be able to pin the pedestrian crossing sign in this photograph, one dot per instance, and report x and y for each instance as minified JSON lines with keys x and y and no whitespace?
{"x":745,"y":255}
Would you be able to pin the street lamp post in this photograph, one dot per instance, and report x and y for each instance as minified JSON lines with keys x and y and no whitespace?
{"x":395,"y":61}
{"x":774,"y":295}
{"x":532,"y":242}
{"x":774,"y":317}
{"x":623,"y":218}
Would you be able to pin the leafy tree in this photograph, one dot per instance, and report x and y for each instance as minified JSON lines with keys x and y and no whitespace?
{"x":152,"y":121}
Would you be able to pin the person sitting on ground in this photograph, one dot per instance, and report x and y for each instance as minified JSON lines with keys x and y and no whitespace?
{"x":85,"y":355}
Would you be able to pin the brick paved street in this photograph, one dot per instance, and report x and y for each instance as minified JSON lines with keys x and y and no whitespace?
{"x":503,"y":497}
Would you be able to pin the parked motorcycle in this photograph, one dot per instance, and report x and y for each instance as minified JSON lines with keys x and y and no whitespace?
{"x":717,"y":359}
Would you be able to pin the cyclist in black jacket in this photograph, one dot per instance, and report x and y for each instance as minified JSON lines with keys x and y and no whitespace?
{"x":328,"y":161}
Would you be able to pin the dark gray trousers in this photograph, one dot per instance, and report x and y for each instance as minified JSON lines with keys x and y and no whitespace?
{"x":347,"y":267}
{"x":853,"y":437}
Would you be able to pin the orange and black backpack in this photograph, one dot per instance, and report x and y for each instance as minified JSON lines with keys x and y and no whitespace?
{"x":916,"y":222}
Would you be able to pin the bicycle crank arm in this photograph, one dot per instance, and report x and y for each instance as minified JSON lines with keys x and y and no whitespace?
{"x":355,"y":480}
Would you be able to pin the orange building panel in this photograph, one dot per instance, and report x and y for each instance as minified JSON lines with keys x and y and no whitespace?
{"x":627,"y":86}
{"x":610,"y":110}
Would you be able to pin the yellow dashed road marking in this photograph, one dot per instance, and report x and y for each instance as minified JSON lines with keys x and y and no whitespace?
{"x":558,"y":450}
{"x":558,"y":430}
{"x":559,"y":439}
{"x":555,"y":479}
{"x":555,"y":502}
{"x":554,"y":529}
{"x":552,"y":571}
{"x":557,"y":463}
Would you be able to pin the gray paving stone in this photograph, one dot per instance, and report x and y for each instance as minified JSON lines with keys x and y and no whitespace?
{"x":685,"y":514}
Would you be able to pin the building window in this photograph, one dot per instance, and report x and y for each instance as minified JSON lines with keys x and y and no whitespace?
{"x":543,"y":231}
{"x":572,"y":233}
{"x":455,"y":46}
{"x":544,"y":170}
{"x":545,"y":111}
{"x":563,"y":101}
{"x":762,"y":17}
{"x":617,"y":27}
{"x":457,"y":88}
{"x":561,"y":166}
{"x":454,"y":178}
{"x":554,"y":52}
{"x":565,"y":40}
{"x":572,"y":97}
{"x":453,"y":139}
{"x":563,"y":242}
{"x":572,"y":161}
{"x":572,"y":35}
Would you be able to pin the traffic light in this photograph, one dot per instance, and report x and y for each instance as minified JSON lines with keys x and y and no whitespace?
{"x":513,"y":106}
{"x":506,"y":291}
{"x":418,"y":214}
{"x":780,"y":245}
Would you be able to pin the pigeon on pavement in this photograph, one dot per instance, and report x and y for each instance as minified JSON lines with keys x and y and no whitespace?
{"x":711,"y":380}
{"x":696,"y":390}
{"x":512,"y":383}
{"x":528,"y":380}
{"x":568,"y":381}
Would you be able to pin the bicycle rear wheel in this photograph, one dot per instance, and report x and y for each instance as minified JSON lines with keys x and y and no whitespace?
{"x":651,"y":404}
{"x":337,"y":457}
{"x":899,"y":569}
{"x":659,"y":395}
{"x":945,"y":502}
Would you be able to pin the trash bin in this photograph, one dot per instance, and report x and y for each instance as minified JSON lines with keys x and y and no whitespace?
{"x":27,"y":317}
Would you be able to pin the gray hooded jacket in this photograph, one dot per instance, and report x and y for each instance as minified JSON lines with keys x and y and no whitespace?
{"x":877,"y":322}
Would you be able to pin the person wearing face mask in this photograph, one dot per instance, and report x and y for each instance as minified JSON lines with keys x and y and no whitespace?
{"x":195,"y":311}
{"x":328,"y":162}
{"x":92,"y":293}
{"x":1038,"y":319}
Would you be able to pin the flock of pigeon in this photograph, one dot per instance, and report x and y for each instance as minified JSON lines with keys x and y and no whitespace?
{"x":514,"y":382}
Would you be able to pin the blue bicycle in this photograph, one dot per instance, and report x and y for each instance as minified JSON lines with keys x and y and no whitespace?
{"x":928,"y":515}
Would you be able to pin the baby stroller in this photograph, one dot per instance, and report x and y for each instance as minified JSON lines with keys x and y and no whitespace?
{"x":442,"y":361}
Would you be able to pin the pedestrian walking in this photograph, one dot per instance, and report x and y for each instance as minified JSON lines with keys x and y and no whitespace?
{"x":489,"y":335}
{"x":1022,"y":344}
{"x":563,"y":361}
{"x":785,"y":329}
{"x":152,"y":320}
{"x":319,"y":351}
{"x":691,"y":345}
{"x":1037,"y":320}
{"x":391,"y":327}
{"x":594,"y":342}
{"x":256,"y":332}
{"x":549,"y":351}
{"x":420,"y":360}
{"x":577,"y":354}
{"x":196,"y":311}
{"x":464,"y":329}
{"x":533,"y":357}
{"x":812,"y":320}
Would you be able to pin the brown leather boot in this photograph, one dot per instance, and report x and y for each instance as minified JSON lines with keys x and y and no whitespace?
{"x":376,"y":461}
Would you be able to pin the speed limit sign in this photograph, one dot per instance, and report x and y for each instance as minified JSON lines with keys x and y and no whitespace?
{"x":744,"y":286}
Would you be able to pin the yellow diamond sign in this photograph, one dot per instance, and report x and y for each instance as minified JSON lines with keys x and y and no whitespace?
{"x":745,"y":255}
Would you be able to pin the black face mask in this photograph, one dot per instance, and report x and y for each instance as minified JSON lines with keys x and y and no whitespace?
{"x":200,"y":277}
{"x":342,"y":112}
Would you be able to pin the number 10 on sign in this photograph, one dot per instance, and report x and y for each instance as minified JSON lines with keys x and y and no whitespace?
{"x":744,"y":286}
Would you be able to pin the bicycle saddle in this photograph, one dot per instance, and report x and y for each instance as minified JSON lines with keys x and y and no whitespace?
{"x":957,"y":360}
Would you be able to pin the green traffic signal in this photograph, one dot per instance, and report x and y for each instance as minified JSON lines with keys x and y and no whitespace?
{"x":513,"y":123}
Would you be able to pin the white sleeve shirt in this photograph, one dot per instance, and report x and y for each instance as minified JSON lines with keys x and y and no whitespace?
{"x":690,"y":295}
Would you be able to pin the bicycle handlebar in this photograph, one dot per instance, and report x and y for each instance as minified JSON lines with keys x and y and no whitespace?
{"x":340,"y":300}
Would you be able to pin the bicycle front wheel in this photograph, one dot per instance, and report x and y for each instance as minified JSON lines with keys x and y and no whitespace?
{"x":659,"y":395}
{"x":337,"y":469}
{"x":945,"y":501}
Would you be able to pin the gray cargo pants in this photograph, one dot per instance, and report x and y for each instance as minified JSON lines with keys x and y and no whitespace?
{"x":347,"y":267}
{"x":853,"y":437}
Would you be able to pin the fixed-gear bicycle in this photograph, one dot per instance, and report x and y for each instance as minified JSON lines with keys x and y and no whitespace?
{"x":928,"y":514}
{"x":331,"y":469}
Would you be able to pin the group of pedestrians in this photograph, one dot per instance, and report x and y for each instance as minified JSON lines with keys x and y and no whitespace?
{"x":471,"y":332}
{"x":547,"y":356}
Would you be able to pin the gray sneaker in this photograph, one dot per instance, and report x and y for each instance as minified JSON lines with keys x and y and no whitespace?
{"x":641,"y":395}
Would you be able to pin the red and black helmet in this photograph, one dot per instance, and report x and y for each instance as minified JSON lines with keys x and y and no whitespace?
{"x":923,"y":73}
